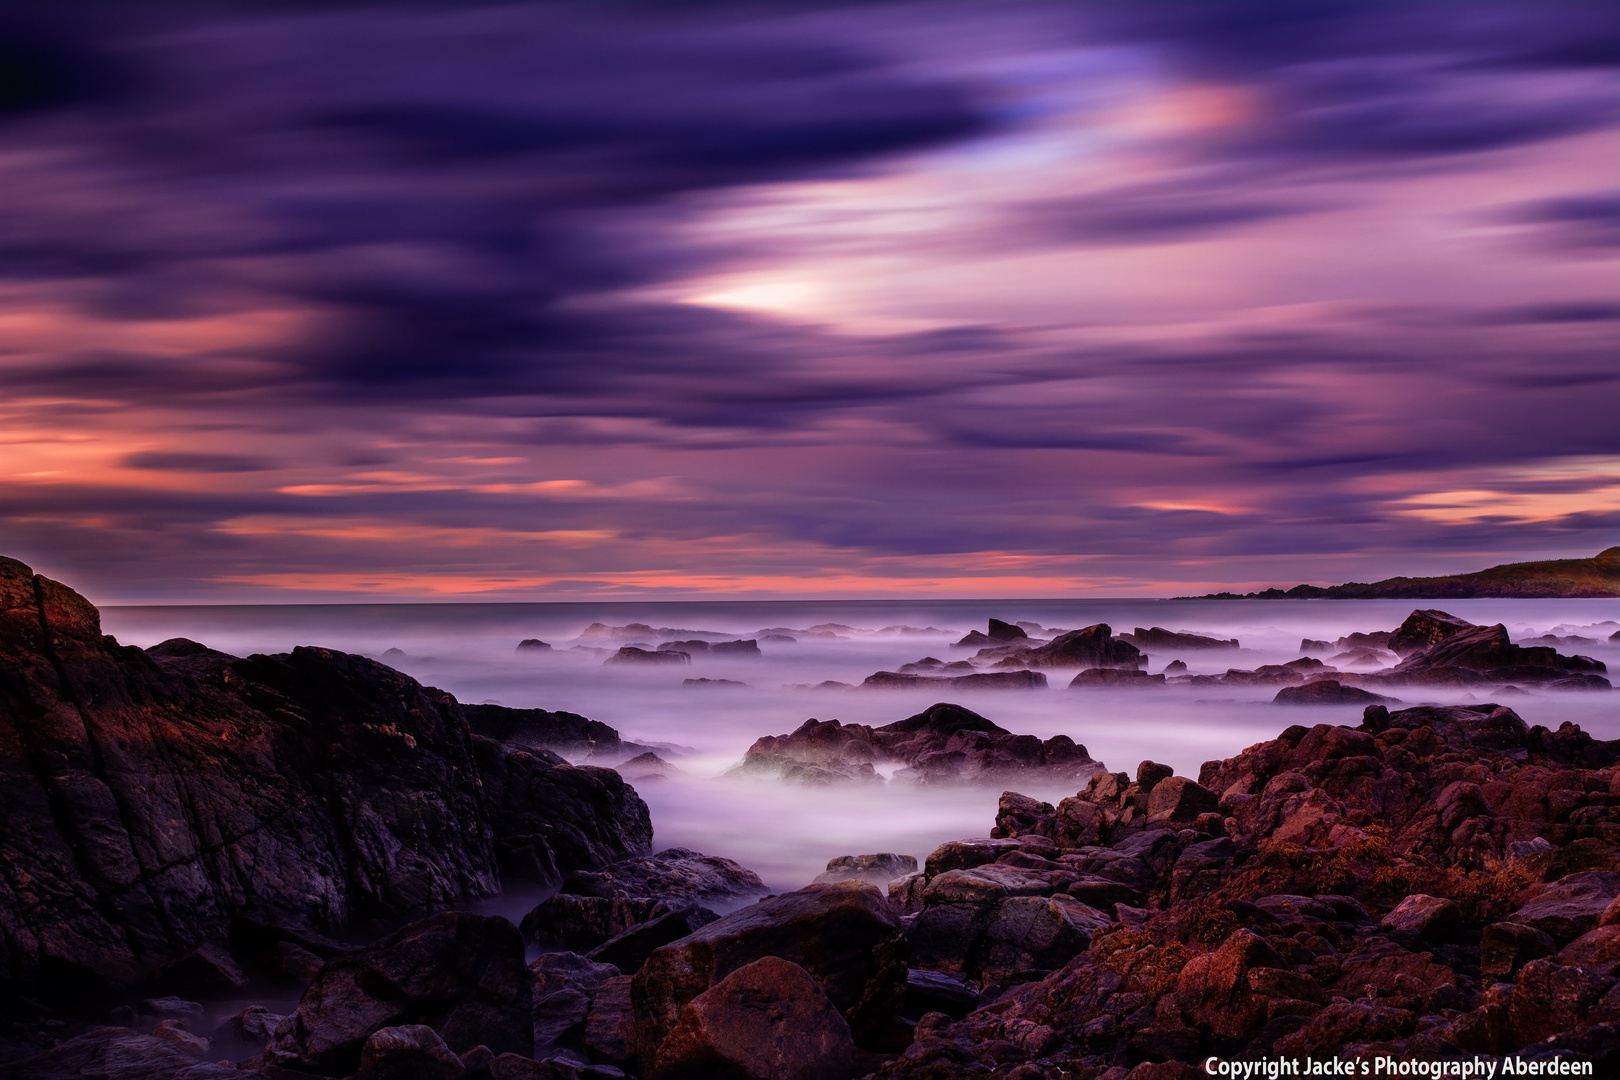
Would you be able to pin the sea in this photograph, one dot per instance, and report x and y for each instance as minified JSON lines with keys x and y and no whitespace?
{"x":787,"y":833}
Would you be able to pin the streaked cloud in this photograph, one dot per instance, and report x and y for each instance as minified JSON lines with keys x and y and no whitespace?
{"x":556,"y":300}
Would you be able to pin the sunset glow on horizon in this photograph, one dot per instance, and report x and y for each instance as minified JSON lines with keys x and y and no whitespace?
{"x":550,"y":301}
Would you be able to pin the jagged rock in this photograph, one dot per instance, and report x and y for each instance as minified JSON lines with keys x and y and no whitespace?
{"x":845,"y":934}
{"x":1424,"y":628}
{"x":189,"y":792}
{"x":565,"y":733}
{"x":461,"y":974}
{"x":1485,"y":654}
{"x":1091,"y":647}
{"x":767,"y":1020}
{"x":1158,"y":639}
{"x":1276,"y":927}
{"x":945,"y":743}
{"x":999,"y":633}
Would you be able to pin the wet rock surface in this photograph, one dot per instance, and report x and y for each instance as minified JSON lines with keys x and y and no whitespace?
{"x":945,"y":743}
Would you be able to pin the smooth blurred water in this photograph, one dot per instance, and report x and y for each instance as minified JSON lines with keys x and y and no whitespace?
{"x":788,"y":833}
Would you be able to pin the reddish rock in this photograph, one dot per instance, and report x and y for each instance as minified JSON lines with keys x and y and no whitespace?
{"x":1431,"y":917}
{"x":845,"y":934}
{"x":768,"y":1020}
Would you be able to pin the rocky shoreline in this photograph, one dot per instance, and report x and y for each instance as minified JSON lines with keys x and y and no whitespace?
{"x":1433,"y":883}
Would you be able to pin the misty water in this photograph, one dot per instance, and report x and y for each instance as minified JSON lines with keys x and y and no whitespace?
{"x":787,"y":833}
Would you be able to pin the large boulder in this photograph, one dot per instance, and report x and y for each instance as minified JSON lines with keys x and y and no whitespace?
{"x":157,"y":800}
{"x":1485,"y":654}
{"x":1091,"y":647}
{"x":460,"y":974}
{"x":1571,"y":907}
{"x":767,"y":1020}
{"x":845,"y":934}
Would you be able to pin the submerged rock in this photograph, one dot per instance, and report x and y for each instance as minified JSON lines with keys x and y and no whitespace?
{"x":945,"y":743}
{"x":1158,"y":639}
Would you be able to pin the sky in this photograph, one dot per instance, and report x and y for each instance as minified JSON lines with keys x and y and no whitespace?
{"x":546,"y":302}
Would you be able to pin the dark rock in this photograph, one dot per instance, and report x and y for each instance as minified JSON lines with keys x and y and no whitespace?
{"x":610,"y":1026}
{"x":1091,"y":647}
{"x":629,"y":654}
{"x":1158,"y":639}
{"x":846,"y":935}
{"x":674,"y":875}
{"x":207,"y":968}
{"x":408,"y":1052}
{"x":690,"y":648}
{"x":1149,"y":773}
{"x":566,"y":733}
{"x":1430,"y":917}
{"x":937,"y":991}
{"x":1179,"y":799}
{"x":630,"y":949}
{"x":581,"y":923}
{"x":1328,"y":692}
{"x":1572,"y":907}
{"x":1115,"y":677}
{"x":563,"y":987}
{"x":1549,"y":999}
{"x":115,"y":1053}
{"x":551,"y":818}
{"x":945,"y":743}
{"x":1423,"y":628}
{"x":741,"y":647}
{"x":533,"y":644}
{"x":982,"y":680}
{"x":999,"y":633}
{"x":463,"y":975}
{"x":714,"y":683}
{"x":1175,"y":667}
{"x":648,"y":766}
{"x":1484,"y":654}
{"x":879,"y":869}
{"x":768,"y":1019}
{"x":1505,"y":947}
{"x":1310,"y":645}
{"x":159,"y":799}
